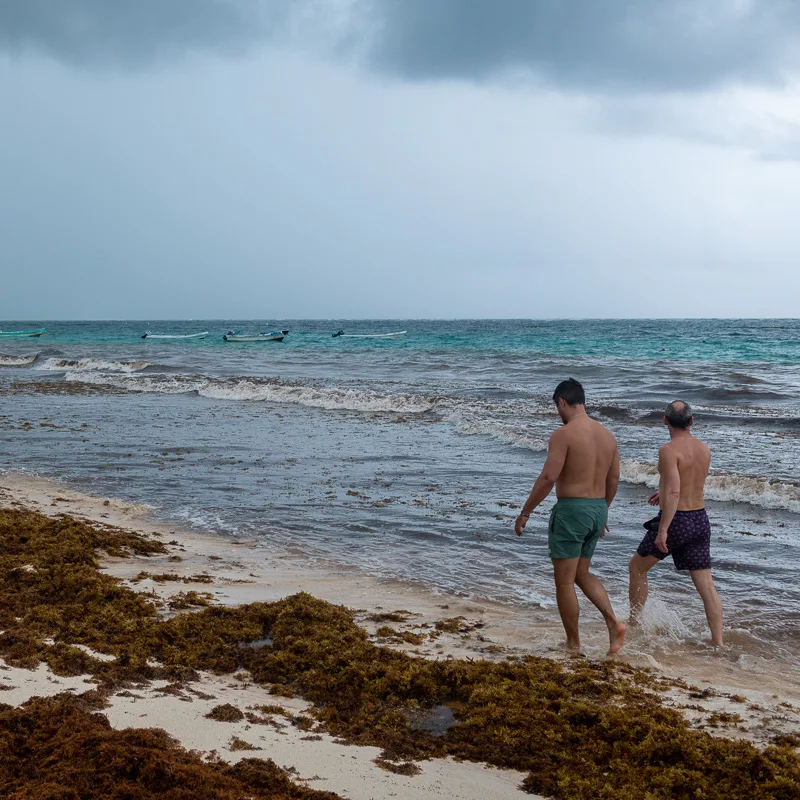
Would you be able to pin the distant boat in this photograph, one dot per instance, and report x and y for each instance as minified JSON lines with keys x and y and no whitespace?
{"x":35,"y":332}
{"x":271,"y":336}
{"x":393,"y":335}
{"x":148,"y":335}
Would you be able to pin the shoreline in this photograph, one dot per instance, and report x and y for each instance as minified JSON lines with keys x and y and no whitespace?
{"x":234,"y":573}
{"x":247,"y":572}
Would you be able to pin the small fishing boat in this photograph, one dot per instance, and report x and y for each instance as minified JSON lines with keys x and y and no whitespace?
{"x":271,"y":336}
{"x":393,"y":335}
{"x":35,"y":332}
{"x":148,"y":335}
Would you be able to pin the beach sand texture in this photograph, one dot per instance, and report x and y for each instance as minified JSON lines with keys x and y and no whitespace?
{"x":730,"y":703}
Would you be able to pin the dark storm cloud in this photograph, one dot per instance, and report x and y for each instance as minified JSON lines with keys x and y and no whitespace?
{"x":633,"y":44}
{"x":133,"y":32}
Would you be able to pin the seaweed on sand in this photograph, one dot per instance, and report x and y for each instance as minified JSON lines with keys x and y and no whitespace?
{"x":192,"y":599}
{"x":226,"y":713}
{"x":56,"y":749}
{"x":589,"y":731}
{"x":387,"y":632}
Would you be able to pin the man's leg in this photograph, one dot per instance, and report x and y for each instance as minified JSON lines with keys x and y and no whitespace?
{"x":564,"y":570}
{"x":638,"y":588}
{"x":591,"y":586}
{"x":704,"y":584}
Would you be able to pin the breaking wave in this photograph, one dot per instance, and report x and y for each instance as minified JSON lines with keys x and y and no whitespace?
{"x":329,"y":397}
{"x":265,"y":390}
{"x":17,"y":361}
{"x":726,"y":487}
{"x":91,"y":365}
{"x":508,"y":433}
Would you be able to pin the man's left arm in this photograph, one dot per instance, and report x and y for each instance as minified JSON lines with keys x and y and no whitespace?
{"x":551,"y":471}
{"x":612,"y":478}
{"x":612,"y":482}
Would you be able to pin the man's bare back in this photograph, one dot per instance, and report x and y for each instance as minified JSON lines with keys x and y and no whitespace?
{"x":691,"y":458}
{"x":590,"y":458}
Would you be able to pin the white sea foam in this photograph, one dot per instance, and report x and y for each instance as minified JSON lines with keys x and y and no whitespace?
{"x":274,"y":391}
{"x":329,"y":397}
{"x":155,"y":384}
{"x":726,"y":487}
{"x":514,"y":435}
{"x":91,"y":365}
{"x":639,"y":472}
{"x":662,"y":620}
{"x":17,"y":361}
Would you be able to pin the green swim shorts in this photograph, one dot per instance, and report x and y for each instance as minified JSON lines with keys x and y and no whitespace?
{"x":575,"y":526}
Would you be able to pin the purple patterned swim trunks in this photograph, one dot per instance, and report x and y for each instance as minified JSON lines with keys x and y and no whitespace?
{"x":688,"y":540}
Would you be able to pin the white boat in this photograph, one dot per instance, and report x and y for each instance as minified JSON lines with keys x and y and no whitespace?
{"x":271,"y":336}
{"x":35,"y":332}
{"x":148,"y":335}
{"x":393,"y":335}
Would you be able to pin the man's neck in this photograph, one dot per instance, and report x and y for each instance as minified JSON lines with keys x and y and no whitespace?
{"x":678,"y":433}
{"x":573,"y":412}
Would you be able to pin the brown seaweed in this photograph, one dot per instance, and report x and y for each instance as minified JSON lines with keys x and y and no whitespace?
{"x":55,"y":749}
{"x":226,"y":713}
{"x":586,"y":731}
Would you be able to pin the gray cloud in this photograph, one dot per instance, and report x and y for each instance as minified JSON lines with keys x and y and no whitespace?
{"x":606,"y":45}
{"x":612,"y":44}
{"x":134,"y":32}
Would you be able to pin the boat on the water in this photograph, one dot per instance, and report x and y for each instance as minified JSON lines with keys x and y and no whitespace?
{"x":148,"y":335}
{"x":271,"y":336}
{"x":392,"y":335}
{"x":34,"y":332}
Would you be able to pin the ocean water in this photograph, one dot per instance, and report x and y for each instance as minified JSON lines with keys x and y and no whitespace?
{"x":406,"y":458}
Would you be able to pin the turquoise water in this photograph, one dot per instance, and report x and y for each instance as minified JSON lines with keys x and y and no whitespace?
{"x":776,"y":341}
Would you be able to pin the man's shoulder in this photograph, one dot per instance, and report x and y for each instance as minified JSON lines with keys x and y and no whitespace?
{"x":700,"y":444}
{"x":603,"y":431}
{"x":560,"y":434}
{"x":667,"y":450}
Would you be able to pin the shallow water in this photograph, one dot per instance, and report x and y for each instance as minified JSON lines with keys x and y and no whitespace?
{"x":406,"y":457}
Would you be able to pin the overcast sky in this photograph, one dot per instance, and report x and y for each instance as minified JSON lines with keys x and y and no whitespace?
{"x":399,"y":158}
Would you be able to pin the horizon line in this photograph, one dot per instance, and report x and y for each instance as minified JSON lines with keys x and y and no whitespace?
{"x":396,"y":319}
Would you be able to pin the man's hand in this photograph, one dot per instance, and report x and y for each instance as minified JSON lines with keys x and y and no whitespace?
{"x":519,"y":525}
{"x":604,"y":531}
{"x":655,"y":499}
{"x":661,"y":542}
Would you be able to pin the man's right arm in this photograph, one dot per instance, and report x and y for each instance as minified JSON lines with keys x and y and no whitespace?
{"x":551,"y":471}
{"x":670,"y":493}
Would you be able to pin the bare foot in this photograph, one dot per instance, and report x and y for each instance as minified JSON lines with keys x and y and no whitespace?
{"x":570,"y":647}
{"x":616,"y":637}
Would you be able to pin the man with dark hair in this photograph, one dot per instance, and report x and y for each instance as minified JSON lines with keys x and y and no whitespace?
{"x":571,"y":391}
{"x":681,"y":528}
{"x":583,"y":464}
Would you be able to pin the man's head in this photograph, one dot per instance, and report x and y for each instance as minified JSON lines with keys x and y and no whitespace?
{"x":568,"y":395}
{"x":679,"y":415}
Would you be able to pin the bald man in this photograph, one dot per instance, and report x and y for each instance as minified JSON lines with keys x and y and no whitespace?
{"x":681,"y":528}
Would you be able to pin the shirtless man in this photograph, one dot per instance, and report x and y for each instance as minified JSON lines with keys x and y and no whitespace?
{"x":583,"y":464}
{"x":681,"y":528}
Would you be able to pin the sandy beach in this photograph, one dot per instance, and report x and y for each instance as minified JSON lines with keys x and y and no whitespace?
{"x":718,"y":697}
